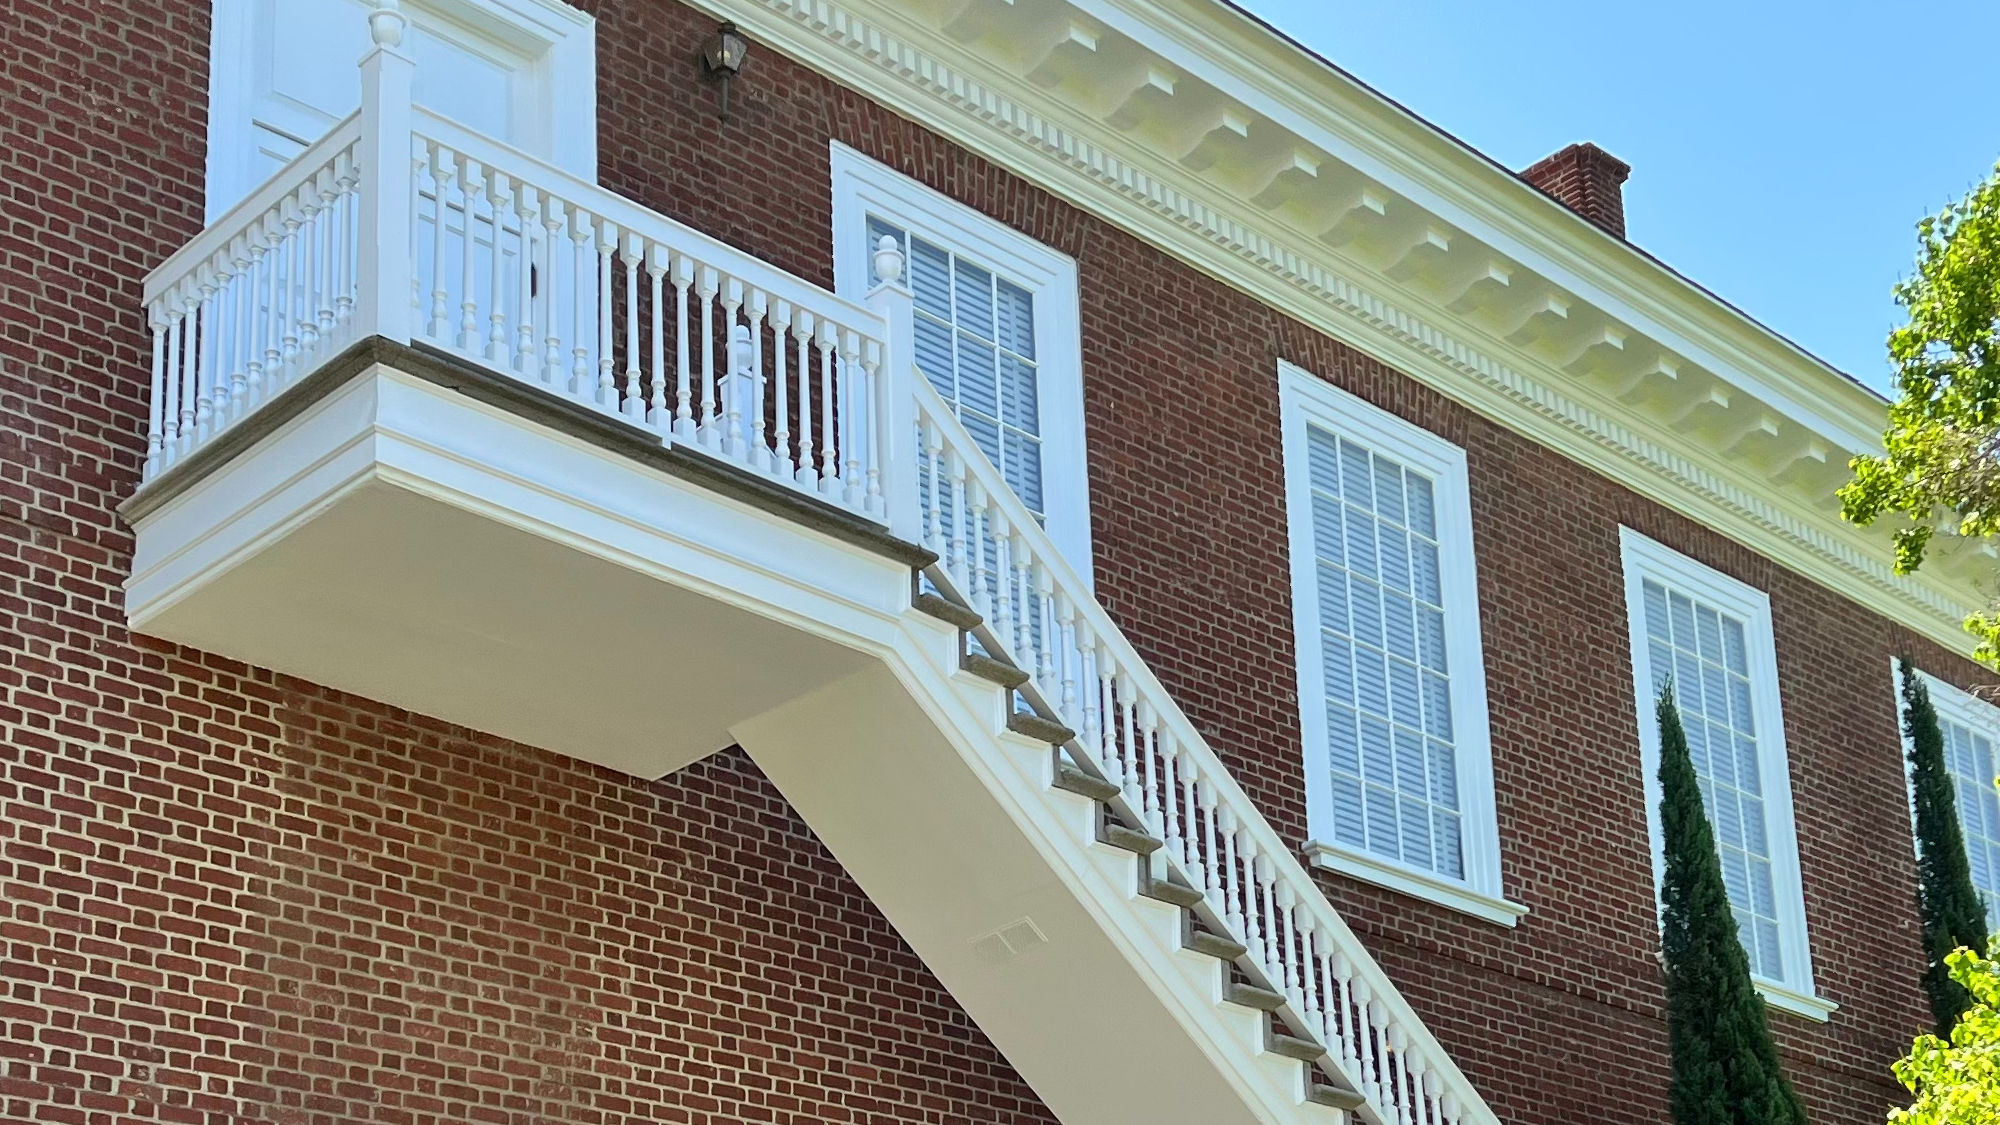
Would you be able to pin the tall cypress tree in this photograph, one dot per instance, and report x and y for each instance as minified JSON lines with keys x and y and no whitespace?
{"x":1725,"y":1067}
{"x":1953,"y":915}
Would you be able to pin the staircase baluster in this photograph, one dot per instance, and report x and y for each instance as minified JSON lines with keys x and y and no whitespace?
{"x":190,"y":365}
{"x":1107,"y":706}
{"x":1212,"y":870}
{"x":1288,"y":947}
{"x":1309,"y":984}
{"x":1128,"y":746}
{"x":753,"y":394}
{"x":583,"y":305}
{"x":1004,"y":608}
{"x":307,"y":238}
{"x":474,"y":180}
{"x":156,"y":431}
{"x":1023,"y":579}
{"x":1433,"y":1112}
{"x":242,"y":323}
{"x":1191,"y":849}
{"x":554,"y":218}
{"x":1170,"y":821}
{"x":1232,"y":894}
{"x":850,"y":416}
{"x":727,"y":412}
{"x":1267,"y":913}
{"x":1149,"y":725}
{"x":955,"y":561}
{"x":1403,"y":1095}
{"x":656,"y":273}
{"x":1341,"y":997}
{"x":1378,"y":1047}
{"x":781,"y":441}
{"x":1418,"y":1068}
{"x":684,"y":427}
{"x":335,"y":245}
{"x":284,"y":291}
{"x":982,"y":590}
{"x":1364,"y":1045}
{"x":829,"y":455}
{"x":528,"y":210}
{"x":345,"y":176}
{"x":808,"y":474}
{"x":443,"y":170}
{"x":634,"y":252}
{"x":259,"y":340}
{"x":499,"y":197}
{"x":1070,"y":658}
{"x":1045,"y":604}
{"x":934,"y":534}
{"x":604,"y":389}
{"x":1253,"y":940}
{"x":706,"y":431}
{"x":1085,"y":683}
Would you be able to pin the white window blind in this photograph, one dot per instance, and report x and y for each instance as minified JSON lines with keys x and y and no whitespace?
{"x":1703,"y":650}
{"x":1382,"y":646}
{"x":1392,"y":682}
{"x":1971,"y":727}
{"x":975,"y":342}
{"x":1711,"y":636}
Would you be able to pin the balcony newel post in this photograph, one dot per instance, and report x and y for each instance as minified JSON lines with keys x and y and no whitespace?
{"x":895,"y":406}
{"x":387,"y":206}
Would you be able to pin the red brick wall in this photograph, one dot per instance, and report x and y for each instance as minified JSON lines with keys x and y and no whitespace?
{"x":230,"y":895}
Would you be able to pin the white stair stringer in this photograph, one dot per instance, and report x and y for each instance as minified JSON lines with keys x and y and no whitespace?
{"x":996,"y":878}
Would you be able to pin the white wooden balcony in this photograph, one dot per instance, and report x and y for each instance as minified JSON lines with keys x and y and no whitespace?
{"x":437,"y":424}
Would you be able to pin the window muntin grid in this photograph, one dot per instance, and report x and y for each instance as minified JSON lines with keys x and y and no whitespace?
{"x":975,"y":342}
{"x":1390,"y":742}
{"x":1968,"y":754}
{"x":1703,"y":648}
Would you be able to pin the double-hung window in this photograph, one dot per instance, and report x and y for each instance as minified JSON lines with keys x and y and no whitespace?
{"x":1709,"y":636}
{"x":1971,"y":729}
{"x":1392,"y":693}
{"x":996,"y":332}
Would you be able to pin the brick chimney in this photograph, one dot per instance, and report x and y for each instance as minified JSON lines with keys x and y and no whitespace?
{"x":1586,"y":179}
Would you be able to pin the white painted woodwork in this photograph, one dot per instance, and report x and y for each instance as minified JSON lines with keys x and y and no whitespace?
{"x":408,"y":543}
{"x":282,"y":75}
{"x":403,"y":224}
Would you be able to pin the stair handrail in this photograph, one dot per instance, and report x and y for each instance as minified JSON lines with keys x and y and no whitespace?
{"x":1042,"y":617}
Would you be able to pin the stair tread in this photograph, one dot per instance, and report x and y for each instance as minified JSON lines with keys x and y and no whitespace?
{"x":1213,"y":944}
{"x":1295,"y":1046}
{"x":998,"y":671}
{"x":1337,"y":1097}
{"x":1251,"y":996}
{"x":1076,"y":781}
{"x":1167,"y":890}
{"x":944,"y":609}
{"x":1131,"y":839}
{"x":1034,"y":726}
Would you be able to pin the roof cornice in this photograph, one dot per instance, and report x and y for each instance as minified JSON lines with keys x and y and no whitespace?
{"x":1195,"y":128}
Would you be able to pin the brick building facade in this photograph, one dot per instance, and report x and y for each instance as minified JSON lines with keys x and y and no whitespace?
{"x":232,"y":894}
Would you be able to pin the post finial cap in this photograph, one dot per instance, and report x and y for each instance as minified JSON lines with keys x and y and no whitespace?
{"x":386,"y":23}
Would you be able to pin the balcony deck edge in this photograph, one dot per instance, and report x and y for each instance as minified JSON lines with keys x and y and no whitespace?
{"x":537,"y":405}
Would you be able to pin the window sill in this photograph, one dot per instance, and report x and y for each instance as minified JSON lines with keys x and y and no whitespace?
{"x":1418,"y":884}
{"x":1797,"y":1003}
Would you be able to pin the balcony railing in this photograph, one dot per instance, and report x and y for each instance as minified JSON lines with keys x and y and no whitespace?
{"x":407,"y":226}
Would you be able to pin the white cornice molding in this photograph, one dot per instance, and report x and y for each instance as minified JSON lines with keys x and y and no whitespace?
{"x":889,"y":53}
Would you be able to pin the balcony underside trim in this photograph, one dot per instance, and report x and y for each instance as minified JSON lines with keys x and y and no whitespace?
{"x":536,"y":405}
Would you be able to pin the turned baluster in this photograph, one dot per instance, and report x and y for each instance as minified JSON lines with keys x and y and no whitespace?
{"x":499,"y":200}
{"x":583,"y":304}
{"x":808,"y":472}
{"x":554,"y":219}
{"x":656,"y":273}
{"x":684,"y":425}
{"x":443,"y":173}
{"x":528,"y":211}
{"x":781,"y":439}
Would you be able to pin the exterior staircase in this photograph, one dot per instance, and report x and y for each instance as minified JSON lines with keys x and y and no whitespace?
{"x":420,"y":389}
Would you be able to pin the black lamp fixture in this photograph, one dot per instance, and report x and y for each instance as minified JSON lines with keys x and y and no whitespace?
{"x":722,"y":59}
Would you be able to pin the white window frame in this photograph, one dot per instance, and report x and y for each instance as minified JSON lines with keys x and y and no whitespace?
{"x":1645,"y":558}
{"x":1954,"y":705}
{"x":861,"y":185}
{"x":562,"y":40}
{"x":1306,"y":400}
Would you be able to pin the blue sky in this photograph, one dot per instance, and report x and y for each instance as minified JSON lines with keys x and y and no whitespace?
{"x":1782,"y":152}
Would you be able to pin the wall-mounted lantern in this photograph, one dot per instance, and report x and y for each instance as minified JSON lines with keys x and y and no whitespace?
{"x":722,"y":59}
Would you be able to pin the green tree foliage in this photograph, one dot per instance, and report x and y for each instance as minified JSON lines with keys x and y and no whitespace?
{"x":1941,"y":460}
{"x":1725,"y":1067}
{"x":1953,"y":915}
{"x":1957,"y":1082}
